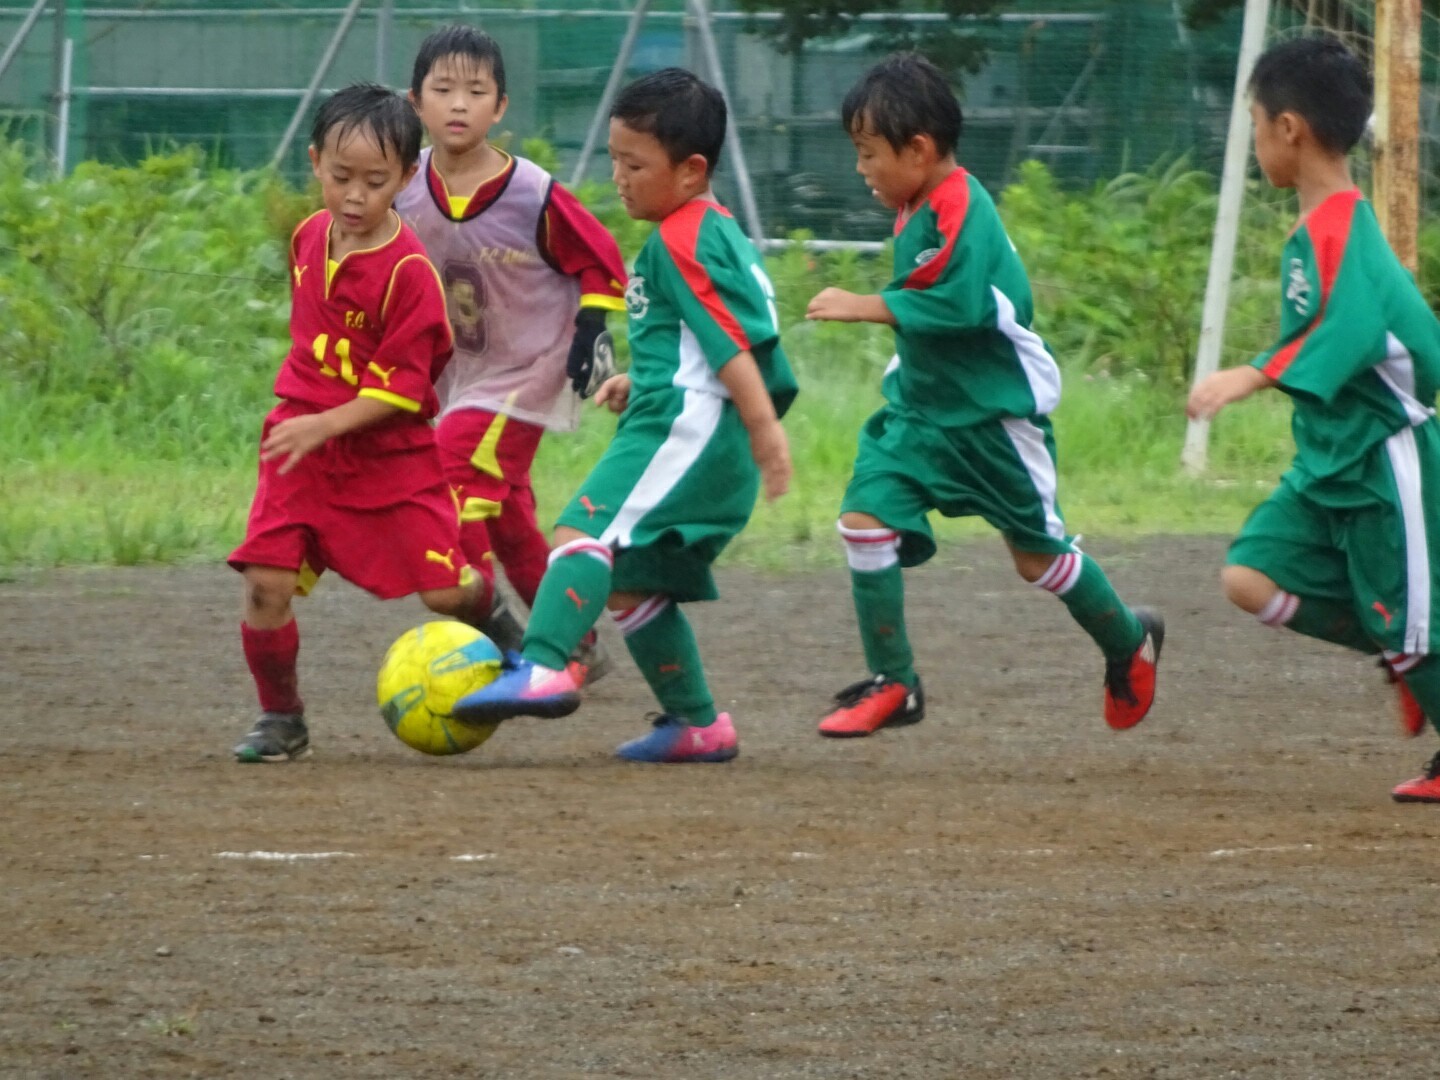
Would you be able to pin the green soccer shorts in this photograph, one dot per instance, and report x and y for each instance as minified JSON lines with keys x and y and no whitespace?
{"x":674,"y":487}
{"x":1377,"y":553}
{"x":1002,"y":470}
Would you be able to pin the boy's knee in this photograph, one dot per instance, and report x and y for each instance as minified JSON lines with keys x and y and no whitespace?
{"x":854,"y":519}
{"x":455,"y":601}
{"x":1032,"y":565}
{"x":1247,"y":588}
{"x":629,"y":601}
{"x":268,"y":591}
{"x":564,"y":534}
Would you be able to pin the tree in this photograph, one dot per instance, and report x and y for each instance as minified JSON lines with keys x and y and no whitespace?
{"x":953,"y":42}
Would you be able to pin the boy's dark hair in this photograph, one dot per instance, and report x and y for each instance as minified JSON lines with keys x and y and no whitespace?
{"x":1322,"y":81}
{"x":469,"y":42}
{"x":685,"y":115}
{"x":903,"y":96}
{"x":374,"y":108}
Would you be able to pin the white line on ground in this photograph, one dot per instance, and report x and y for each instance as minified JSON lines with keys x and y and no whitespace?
{"x":1226,"y":853}
{"x":284,"y":856}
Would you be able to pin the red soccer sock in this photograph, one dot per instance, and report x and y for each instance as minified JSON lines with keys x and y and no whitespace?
{"x":272,"y":655}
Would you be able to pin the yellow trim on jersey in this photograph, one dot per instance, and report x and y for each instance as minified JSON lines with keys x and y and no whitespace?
{"x":390,"y":288}
{"x":460,"y":203}
{"x":330,"y":267}
{"x":478,"y":509}
{"x":358,"y":251}
{"x":390,"y":399}
{"x":305,"y":579}
{"x":485,"y":458}
{"x":295,"y":236}
{"x":600,"y":300}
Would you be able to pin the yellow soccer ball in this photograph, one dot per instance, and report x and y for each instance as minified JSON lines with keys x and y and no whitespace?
{"x":425,"y":672}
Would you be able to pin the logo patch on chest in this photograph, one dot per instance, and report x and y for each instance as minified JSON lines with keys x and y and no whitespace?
{"x":1297,"y":287}
{"x":637,"y":304}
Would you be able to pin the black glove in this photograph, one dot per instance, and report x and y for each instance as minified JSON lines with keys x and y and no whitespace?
{"x":592,"y":352}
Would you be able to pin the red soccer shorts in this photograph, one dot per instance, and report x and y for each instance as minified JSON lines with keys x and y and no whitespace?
{"x":373,"y":506}
{"x":487,"y":458}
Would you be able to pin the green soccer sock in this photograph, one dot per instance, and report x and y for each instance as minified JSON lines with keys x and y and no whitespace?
{"x":1334,"y":621}
{"x":880,"y":609}
{"x":572,"y":597}
{"x":1093,"y":603}
{"x":1424,"y":682}
{"x":664,"y":648}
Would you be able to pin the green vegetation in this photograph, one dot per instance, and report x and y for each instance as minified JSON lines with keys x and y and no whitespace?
{"x":143,"y":315}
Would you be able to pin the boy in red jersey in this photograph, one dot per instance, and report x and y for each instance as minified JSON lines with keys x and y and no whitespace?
{"x":350,"y":478}
{"x":519,"y":256}
{"x":1345,"y":549}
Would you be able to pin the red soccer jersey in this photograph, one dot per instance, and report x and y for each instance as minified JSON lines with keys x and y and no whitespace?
{"x":371,"y":325}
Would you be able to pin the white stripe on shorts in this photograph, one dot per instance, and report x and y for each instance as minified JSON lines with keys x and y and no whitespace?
{"x":689,"y":435}
{"x":1029,"y":443}
{"x":1405,"y":464}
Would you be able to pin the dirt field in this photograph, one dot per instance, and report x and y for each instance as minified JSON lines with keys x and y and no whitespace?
{"x":1007,"y":890}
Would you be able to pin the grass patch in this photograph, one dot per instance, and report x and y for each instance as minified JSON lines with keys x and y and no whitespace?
{"x":141,"y":327}
{"x":94,"y":499}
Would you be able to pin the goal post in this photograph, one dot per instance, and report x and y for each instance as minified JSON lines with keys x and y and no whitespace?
{"x":1227,"y":226}
{"x":1396,"y":144}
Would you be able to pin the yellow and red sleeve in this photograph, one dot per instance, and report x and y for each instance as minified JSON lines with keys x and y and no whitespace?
{"x":577,"y":245}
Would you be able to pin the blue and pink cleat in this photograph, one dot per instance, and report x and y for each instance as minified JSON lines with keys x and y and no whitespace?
{"x":673,"y":741}
{"x":523,"y":689}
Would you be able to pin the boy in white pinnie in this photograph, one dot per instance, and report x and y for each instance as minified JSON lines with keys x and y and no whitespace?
{"x":529,"y":276}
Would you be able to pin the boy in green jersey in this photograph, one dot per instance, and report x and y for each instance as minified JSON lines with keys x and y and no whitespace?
{"x":699,"y":436}
{"x":1346,"y":548}
{"x":964,"y":429}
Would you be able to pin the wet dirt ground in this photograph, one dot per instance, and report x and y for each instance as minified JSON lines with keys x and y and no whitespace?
{"x":1008,"y":889}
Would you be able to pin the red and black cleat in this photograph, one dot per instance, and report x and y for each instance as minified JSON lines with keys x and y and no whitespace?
{"x":1424,"y":788}
{"x":1130,"y":683}
{"x":863,"y":708}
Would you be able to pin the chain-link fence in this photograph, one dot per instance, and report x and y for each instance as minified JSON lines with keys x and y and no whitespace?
{"x":1092,"y":89}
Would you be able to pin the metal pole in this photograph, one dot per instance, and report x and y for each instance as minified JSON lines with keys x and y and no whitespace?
{"x":321,"y":70}
{"x":21,"y":35}
{"x":1227,"y":224}
{"x":732,"y":130}
{"x":384,"y":20}
{"x":62,"y":125}
{"x":612,"y":86}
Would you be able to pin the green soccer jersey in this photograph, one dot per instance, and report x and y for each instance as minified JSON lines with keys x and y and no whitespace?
{"x":962,"y":308}
{"x":1359,"y":349}
{"x":699,"y":296}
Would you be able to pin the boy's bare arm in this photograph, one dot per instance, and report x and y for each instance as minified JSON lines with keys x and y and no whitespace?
{"x":1224,"y":388}
{"x":837,"y":305}
{"x":741,"y":376}
{"x":292,"y":439}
